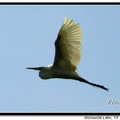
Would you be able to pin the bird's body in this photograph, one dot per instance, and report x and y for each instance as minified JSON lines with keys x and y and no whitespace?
{"x":67,"y":55}
{"x":56,"y":72}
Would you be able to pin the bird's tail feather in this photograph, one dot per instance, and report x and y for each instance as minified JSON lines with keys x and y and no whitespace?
{"x":96,"y":85}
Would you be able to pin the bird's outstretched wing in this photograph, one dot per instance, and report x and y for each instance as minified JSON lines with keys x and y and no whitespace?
{"x":68,"y":46}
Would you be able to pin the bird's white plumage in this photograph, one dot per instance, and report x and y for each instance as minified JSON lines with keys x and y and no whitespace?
{"x":67,"y":55}
{"x":69,"y":42}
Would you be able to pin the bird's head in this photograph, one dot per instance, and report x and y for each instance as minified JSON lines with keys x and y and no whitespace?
{"x":43,"y":72}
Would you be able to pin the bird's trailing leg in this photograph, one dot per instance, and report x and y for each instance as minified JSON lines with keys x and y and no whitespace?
{"x":96,"y":85}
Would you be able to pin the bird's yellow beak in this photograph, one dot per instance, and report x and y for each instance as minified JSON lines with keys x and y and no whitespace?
{"x":38,"y":68}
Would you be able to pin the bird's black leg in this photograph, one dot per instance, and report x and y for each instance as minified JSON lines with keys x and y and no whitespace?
{"x":96,"y":85}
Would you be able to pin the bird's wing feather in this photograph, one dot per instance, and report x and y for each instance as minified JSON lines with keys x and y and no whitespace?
{"x":68,"y":46}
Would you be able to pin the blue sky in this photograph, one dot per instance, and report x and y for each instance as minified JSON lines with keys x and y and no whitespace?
{"x":27,"y":36}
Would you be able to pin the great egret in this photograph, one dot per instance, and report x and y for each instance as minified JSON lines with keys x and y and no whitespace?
{"x":67,"y":55}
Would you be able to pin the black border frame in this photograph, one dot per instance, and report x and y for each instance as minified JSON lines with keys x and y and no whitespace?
{"x":59,"y":3}
{"x":64,"y":114}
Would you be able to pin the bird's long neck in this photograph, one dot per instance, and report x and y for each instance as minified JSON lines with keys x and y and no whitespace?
{"x":95,"y":85}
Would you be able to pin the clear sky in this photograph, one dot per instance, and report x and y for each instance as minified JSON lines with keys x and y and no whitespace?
{"x":27,"y":36}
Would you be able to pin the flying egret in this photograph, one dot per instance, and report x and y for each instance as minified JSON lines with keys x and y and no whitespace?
{"x":67,"y":55}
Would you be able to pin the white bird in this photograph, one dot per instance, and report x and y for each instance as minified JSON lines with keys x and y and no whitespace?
{"x":67,"y":55}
